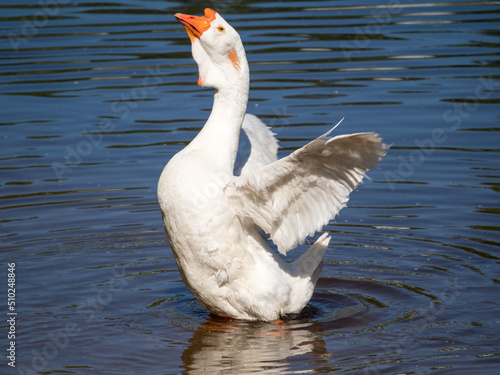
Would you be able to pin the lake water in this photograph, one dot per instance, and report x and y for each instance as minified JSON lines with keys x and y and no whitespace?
{"x":96,"y":97}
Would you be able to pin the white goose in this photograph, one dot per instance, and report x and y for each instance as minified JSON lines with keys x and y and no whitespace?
{"x":212,"y":215}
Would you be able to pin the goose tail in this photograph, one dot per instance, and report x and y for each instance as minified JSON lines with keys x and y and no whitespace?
{"x":310,"y":263}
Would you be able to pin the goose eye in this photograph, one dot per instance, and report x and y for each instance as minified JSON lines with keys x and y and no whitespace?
{"x":221,"y":29}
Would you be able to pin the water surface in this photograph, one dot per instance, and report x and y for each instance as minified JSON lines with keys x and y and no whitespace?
{"x":96,"y":97}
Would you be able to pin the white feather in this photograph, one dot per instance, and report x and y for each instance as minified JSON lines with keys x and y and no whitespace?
{"x":296,"y":196}
{"x":257,"y":147}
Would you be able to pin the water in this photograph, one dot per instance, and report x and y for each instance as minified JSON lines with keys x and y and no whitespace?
{"x":96,"y":97}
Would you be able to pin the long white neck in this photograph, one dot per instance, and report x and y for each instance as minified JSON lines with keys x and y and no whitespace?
{"x":219,"y":138}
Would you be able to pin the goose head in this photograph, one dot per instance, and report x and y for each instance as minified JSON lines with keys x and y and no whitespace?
{"x":217,"y":49}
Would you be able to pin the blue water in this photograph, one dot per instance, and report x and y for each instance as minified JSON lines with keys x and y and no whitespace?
{"x":96,"y":97}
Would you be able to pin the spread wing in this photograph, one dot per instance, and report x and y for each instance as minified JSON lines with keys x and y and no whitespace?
{"x":257,"y":146}
{"x":296,"y":196}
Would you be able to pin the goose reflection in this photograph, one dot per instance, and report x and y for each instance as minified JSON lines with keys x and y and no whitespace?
{"x":228,"y":346}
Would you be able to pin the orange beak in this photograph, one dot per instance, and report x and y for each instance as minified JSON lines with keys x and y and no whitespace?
{"x":196,"y":26}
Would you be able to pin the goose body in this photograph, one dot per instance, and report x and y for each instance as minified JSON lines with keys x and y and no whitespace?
{"x":214,"y":200}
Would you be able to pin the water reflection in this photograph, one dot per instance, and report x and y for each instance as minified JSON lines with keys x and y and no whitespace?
{"x":229,"y":346}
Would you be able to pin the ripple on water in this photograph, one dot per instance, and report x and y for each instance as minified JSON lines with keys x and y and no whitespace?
{"x":338,"y":307}
{"x":94,"y":105}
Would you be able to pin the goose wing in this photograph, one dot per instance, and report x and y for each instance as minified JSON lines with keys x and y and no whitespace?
{"x":258,"y":146}
{"x":296,"y":196}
